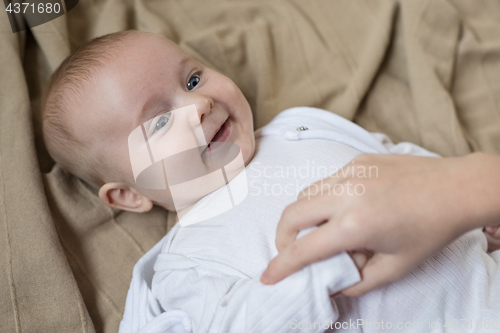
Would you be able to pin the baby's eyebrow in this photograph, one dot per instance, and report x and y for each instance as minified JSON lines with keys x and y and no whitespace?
{"x":184,"y":60}
{"x":146,"y":113}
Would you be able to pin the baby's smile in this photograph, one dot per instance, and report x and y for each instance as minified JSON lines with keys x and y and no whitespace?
{"x":223,"y":134}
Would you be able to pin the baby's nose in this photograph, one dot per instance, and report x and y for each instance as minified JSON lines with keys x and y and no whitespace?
{"x":204,"y":106}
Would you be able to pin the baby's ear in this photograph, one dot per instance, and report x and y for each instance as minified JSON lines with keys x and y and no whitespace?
{"x":122,"y":196}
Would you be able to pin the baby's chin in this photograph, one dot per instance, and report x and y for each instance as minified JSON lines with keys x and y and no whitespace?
{"x":247,"y":150}
{"x":248,"y":157}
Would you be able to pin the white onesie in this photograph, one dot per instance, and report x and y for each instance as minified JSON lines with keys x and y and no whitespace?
{"x":204,"y":277}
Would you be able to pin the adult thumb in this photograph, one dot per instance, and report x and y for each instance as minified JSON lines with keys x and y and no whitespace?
{"x":380,"y":270}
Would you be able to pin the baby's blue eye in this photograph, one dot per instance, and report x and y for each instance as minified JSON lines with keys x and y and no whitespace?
{"x":162,"y":121}
{"x":193,"y":81}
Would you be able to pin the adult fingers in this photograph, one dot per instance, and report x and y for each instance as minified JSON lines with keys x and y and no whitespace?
{"x":329,"y":184}
{"x":359,"y":258}
{"x":379,"y":270}
{"x":301,"y":215}
{"x":322,"y":243}
{"x":491,"y":229}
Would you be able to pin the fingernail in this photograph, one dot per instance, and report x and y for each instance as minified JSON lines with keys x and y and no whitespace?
{"x":264,"y":278}
{"x":491,"y":229}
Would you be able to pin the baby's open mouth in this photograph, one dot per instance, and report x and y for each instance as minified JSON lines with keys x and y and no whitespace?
{"x":222,"y":133}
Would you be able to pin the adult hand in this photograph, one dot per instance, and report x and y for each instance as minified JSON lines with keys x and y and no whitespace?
{"x":406,"y":210}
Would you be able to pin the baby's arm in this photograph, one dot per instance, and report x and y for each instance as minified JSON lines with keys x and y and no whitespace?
{"x":218,"y":300}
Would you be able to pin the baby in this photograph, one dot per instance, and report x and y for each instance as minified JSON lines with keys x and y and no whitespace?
{"x":206,"y":275}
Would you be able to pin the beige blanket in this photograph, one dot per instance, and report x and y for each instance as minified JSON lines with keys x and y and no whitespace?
{"x":425,"y":71}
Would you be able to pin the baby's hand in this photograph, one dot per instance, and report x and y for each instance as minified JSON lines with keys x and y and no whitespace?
{"x":492,"y":234}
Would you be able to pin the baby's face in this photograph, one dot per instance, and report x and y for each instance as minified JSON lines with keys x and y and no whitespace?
{"x":149,"y":77}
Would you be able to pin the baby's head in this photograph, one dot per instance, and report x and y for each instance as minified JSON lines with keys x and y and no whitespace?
{"x":117,"y":82}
